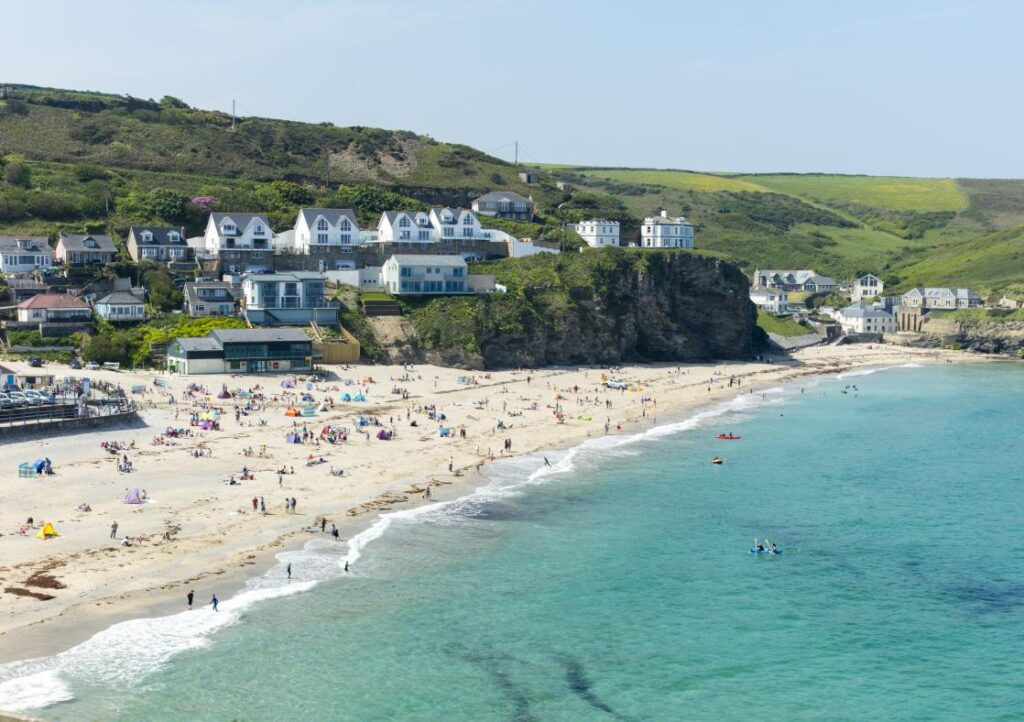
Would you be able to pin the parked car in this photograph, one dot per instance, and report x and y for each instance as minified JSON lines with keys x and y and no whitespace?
{"x":35,"y":362}
{"x":5,"y":402}
{"x":93,"y":366}
{"x":76,"y":364}
{"x":19,"y":398}
{"x":35,"y":398}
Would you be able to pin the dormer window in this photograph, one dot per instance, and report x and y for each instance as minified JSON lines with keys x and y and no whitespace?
{"x":257,"y":230}
{"x":321,"y":225}
{"x":90,"y":243}
{"x":228,"y":228}
{"x":404,"y":222}
{"x":467,"y":220}
{"x":173,"y":237}
{"x":345,"y":225}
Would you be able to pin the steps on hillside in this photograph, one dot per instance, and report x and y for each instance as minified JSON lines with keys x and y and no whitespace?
{"x":381,"y":308}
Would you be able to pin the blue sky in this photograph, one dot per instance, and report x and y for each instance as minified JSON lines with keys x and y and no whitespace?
{"x":897,"y":88}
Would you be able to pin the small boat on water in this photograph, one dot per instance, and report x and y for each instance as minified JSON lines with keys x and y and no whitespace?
{"x":728,"y":437}
{"x":717,"y":460}
{"x":755,"y":550}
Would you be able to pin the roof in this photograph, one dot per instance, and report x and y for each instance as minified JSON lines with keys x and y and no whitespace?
{"x":764,"y":290}
{"x":121,"y":297}
{"x":76,"y":242}
{"x":258,"y":335}
{"x":331,"y":215}
{"x":424,"y":260}
{"x":663,"y":221}
{"x":863,"y":310}
{"x":53,"y":300}
{"x":40,"y":244}
{"x":869,"y":275}
{"x":495,"y":196}
{"x":286,"y":276}
{"x":161,"y":235}
{"x":203,"y":343}
{"x":801,"y":276}
{"x":242,"y":220}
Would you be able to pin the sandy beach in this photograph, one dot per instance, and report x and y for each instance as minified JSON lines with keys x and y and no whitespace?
{"x":195,"y":531}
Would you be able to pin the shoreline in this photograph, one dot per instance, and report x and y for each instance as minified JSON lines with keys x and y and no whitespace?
{"x":77,"y":622}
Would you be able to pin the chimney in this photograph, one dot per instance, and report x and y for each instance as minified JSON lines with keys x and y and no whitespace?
{"x":664,"y":213}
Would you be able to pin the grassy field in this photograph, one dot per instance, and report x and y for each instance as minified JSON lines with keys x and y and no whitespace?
{"x":781,"y":325}
{"x":676,"y":180}
{"x":896,"y":194}
{"x":992,"y":262}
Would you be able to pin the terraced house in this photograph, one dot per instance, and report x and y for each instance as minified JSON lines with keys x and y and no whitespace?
{"x":157,"y":243}
{"x":941,"y":298}
{"x":321,"y":230}
{"x":242,"y":241}
{"x":25,"y":254}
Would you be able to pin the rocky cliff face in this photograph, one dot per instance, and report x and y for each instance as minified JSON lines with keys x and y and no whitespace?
{"x":607,"y":307}
{"x":1006,"y":337}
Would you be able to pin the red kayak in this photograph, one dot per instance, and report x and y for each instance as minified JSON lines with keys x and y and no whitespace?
{"x":727,"y":437}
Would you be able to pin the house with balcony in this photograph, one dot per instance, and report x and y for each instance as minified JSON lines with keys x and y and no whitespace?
{"x":83,"y":250}
{"x":792,"y":280}
{"x":55,"y":313}
{"x":772,"y":300}
{"x":25,"y":254}
{"x":867,"y":286}
{"x":295,"y":298}
{"x":158,"y":243}
{"x":325,"y":230}
{"x":242,"y":350}
{"x":209,"y":298}
{"x":864,"y":318}
{"x":504,"y":204}
{"x":664,"y":232}
{"x":598,"y":232}
{"x":242,"y":241}
{"x":941,"y":298}
{"x":406,"y":227}
{"x":122,"y":307}
{"x":404,"y":275}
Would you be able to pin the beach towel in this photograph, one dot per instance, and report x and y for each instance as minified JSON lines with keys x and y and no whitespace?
{"x":133,"y":497}
{"x":47,"y":531}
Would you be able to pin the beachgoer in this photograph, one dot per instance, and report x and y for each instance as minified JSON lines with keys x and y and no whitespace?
{"x":113,"y":530}
{"x":255,"y":503}
{"x":346,"y":565}
{"x":323,"y":524}
{"x":334,"y":532}
{"x":289,"y":570}
{"x":775,"y":549}
{"x":546,"y":462}
{"x":189,"y":597}
{"x":214,"y":602}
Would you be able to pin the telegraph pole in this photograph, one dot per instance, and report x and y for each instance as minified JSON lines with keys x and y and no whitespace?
{"x":517,"y":153}
{"x":232,"y":114}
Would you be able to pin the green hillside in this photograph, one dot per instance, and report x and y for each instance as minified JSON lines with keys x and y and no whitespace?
{"x":85,"y":161}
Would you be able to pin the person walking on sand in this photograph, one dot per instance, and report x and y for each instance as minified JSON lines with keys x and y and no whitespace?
{"x":323,"y":524}
{"x":289,"y":570}
{"x":451,"y":463}
{"x":255,"y":503}
{"x":263,"y":507}
{"x":113,"y":530}
{"x":214,"y":602}
{"x":189,"y":597}
{"x":334,"y":532}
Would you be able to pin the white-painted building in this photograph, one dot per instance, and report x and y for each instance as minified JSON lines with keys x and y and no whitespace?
{"x":598,"y":232}
{"x":405,"y":227}
{"x":864,"y":318}
{"x":121,"y":306}
{"x":867,"y":286}
{"x":424,"y":275}
{"x":664,"y":232}
{"x":794,"y":280}
{"x":320,"y":229}
{"x":25,"y":254}
{"x":238,"y":232}
{"x":772,"y":300}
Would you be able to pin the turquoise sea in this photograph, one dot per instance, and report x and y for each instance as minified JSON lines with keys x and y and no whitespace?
{"x":617,"y":584}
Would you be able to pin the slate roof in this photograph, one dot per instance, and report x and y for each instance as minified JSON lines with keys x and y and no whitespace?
{"x":331,"y":215}
{"x":121,"y":298}
{"x":203,"y":343}
{"x":40,"y":244}
{"x":495,"y":196}
{"x":258,"y":335}
{"x":77,"y":242}
{"x":418,"y":260}
{"x":242,"y":220}
{"x":863,"y":310}
{"x":161,"y":235}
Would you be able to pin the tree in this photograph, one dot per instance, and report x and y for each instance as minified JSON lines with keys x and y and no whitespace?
{"x":169,"y":101}
{"x":18,"y":174}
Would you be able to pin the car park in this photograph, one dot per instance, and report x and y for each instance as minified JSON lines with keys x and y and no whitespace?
{"x":5,"y":402}
{"x":93,"y":366}
{"x":19,"y":398}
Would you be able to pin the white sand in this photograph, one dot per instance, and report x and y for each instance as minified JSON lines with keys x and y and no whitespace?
{"x":214,"y":547}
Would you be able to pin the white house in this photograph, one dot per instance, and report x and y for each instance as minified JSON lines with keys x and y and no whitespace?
{"x":598,"y":232}
{"x":412,"y":274}
{"x":864,"y":318}
{"x":320,"y":229}
{"x":81,"y":250}
{"x":25,"y":254}
{"x":772,"y":300}
{"x":121,"y":306}
{"x":53,"y":308}
{"x":941,"y":298}
{"x":405,"y":227}
{"x":793,"y":280}
{"x":867,"y":286}
{"x":664,"y":232}
{"x":238,"y":232}
{"x":298,"y":297}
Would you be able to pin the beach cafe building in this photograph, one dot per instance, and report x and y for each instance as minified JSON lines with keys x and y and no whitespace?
{"x":242,"y":350}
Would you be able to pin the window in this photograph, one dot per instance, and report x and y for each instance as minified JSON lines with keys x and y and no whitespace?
{"x":321,"y":225}
{"x":467,"y":232}
{"x":448,"y":232}
{"x":321,"y":238}
{"x":404,"y":222}
{"x":345,"y":225}
{"x":228,"y":228}
{"x":257,"y":229}
{"x":403,"y":235}
{"x":405,"y":272}
{"x":424,"y":235}
{"x":467,"y":220}
{"x":173,"y":237}
{"x":346,"y":238}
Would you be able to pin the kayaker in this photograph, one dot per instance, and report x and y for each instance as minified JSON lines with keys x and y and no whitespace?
{"x":775,"y":549}
{"x":760,"y":547}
